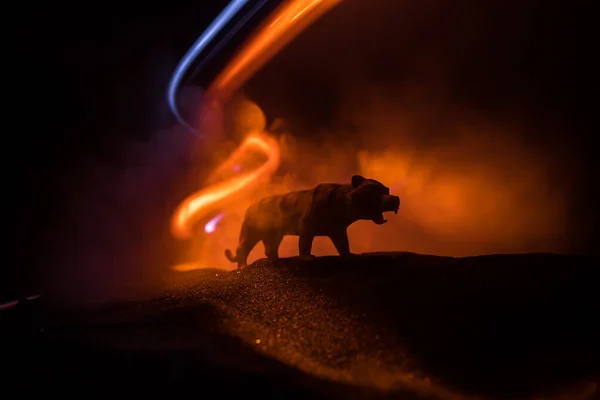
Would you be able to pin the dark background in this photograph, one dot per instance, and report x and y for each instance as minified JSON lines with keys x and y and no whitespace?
{"x":83,"y":76}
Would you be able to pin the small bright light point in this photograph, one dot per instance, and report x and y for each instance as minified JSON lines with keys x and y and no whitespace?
{"x":212,"y":224}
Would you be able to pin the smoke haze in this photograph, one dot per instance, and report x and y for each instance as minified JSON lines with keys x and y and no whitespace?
{"x":438,"y":100}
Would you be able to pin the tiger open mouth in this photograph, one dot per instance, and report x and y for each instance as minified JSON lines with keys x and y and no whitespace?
{"x":379,"y":220}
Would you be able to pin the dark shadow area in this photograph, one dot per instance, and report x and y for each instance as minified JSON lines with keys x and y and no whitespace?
{"x":160,"y":344}
{"x":498,"y":324}
{"x":506,"y":326}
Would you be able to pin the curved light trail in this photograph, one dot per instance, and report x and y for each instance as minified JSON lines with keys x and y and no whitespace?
{"x":12,"y":303}
{"x":285,"y":23}
{"x":230,"y":33}
{"x":195,"y":206}
{"x":207,"y":36}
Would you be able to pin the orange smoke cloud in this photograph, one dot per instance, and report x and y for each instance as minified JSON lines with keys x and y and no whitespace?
{"x":283,"y":25}
{"x":473,"y":197}
{"x":478,"y":192}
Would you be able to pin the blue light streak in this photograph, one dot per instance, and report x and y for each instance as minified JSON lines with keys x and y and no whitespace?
{"x":222,"y":19}
{"x":227,"y":37}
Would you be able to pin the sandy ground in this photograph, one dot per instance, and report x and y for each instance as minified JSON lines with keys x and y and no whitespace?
{"x":396,"y":325}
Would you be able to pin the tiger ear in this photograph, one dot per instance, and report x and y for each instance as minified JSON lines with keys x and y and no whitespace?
{"x":357,"y":180}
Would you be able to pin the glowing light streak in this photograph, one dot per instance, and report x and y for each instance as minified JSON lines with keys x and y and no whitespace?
{"x":7,"y":305}
{"x":228,"y":36}
{"x":206,"y":200}
{"x":282,"y":26}
{"x":212,"y":224}
{"x":289,"y":20}
{"x":222,"y":19}
{"x":12,"y":303}
{"x":186,"y":267}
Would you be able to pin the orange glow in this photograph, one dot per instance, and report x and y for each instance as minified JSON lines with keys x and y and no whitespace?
{"x":185,"y":267}
{"x":461,"y":199}
{"x":206,"y":200}
{"x":284,"y":24}
{"x":291,"y":18}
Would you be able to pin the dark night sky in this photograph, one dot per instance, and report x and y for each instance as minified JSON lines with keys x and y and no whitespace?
{"x":85,"y":74}
{"x":82,"y":76}
{"x":491,"y":55}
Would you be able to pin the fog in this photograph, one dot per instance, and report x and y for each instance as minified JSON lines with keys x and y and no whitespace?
{"x":437,"y":100}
